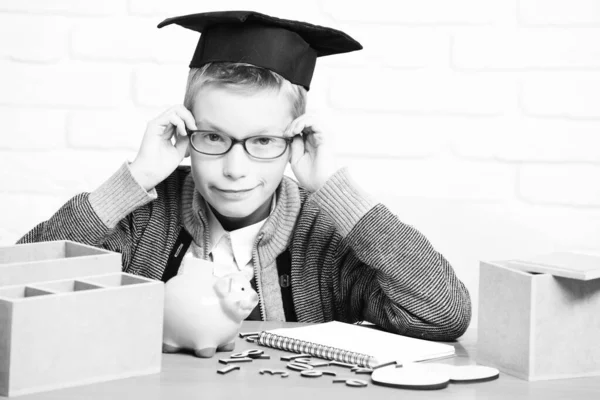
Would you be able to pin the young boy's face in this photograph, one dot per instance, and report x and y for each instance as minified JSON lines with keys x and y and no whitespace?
{"x":235,"y":184}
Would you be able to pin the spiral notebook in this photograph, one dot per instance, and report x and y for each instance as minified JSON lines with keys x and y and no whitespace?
{"x":354,"y":344}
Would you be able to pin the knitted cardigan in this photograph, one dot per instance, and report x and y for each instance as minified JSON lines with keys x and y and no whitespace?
{"x":351,"y":260}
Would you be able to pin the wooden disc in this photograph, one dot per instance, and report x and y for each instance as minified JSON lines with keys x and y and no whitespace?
{"x":445,"y":369}
{"x":410,"y":376}
{"x":473,"y":373}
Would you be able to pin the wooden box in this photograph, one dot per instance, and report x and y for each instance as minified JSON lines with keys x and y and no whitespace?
{"x":25,"y":263}
{"x":538,"y":326}
{"x":70,"y":317}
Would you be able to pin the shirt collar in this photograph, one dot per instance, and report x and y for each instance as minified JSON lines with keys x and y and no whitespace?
{"x":242,"y":240}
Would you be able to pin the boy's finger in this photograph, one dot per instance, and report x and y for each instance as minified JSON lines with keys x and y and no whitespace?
{"x":186,"y":116}
{"x":179,"y":124}
{"x":293,"y":127}
{"x":288,"y":130}
{"x":314,"y":138}
{"x":297,"y":149}
{"x":164,"y":119}
{"x":296,"y":129}
{"x":181,"y":144}
{"x":304,"y":124}
{"x":167,"y":131}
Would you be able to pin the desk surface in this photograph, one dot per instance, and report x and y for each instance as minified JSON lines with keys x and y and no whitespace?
{"x":184,"y":376}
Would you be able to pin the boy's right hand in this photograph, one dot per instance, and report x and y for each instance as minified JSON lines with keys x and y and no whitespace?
{"x":158,"y":156}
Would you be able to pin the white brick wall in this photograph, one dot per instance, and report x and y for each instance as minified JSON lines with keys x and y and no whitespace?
{"x":467,"y":12}
{"x":130,"y":39}
{"x":570,"y":185}
{"x":19,"y":133}
{"x":73,"y":85}
{"x":87,"y":129}
{"x":477,"y":121}
{"x":438,"y":178}
{"x":64,"y":7}
{"x":414,"y":47}
{"x":422,"y":92}
{"x":535,"y":48}
{"x":564,"y":94}
{"x":159,"y":86}
{"x":41,"y":39}
{"x":559,"y":12}
{"x":527,"y":140}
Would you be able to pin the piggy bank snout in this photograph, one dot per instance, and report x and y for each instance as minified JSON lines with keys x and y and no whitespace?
{"x":237,"y":296}
{"x":242,"y":303}
{"x":250,"y":302}
{"x":245,"y":297}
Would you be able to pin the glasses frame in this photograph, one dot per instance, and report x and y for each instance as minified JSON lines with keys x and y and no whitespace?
{"x":234,"y":141}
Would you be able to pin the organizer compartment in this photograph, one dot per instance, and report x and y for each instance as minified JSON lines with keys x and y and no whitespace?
{"x":73,"y":249}
{"x":67,"y":286}
{"x":48,"y":261}
{"x":24,"y":253}
{"x":21,"y":292}
{"x":114,"y":280}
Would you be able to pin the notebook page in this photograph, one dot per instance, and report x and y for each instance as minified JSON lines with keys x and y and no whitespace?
{"x":383,"y":346}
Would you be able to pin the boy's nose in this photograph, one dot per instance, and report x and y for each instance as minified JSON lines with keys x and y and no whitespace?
{"x":236,"y":162}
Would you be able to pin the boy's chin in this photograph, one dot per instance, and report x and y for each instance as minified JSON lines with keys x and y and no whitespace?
{"x":235,"y":212}
{"x":235,"y":215}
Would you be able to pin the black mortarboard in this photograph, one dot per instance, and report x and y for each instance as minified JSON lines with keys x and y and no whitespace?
{"x":287,"y":47}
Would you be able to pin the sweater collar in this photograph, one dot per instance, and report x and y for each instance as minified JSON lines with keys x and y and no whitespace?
{"x":274,"y":236}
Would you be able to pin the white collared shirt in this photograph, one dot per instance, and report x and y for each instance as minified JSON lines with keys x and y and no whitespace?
{"x":230,"y":251}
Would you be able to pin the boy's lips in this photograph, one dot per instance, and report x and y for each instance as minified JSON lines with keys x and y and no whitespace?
{"x":234,"y":190}
{"x":234,"y":194}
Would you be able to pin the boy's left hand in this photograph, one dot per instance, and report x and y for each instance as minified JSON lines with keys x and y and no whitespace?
{"x":312,"y":157}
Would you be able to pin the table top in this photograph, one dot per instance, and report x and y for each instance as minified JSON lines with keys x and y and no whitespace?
{"x":185,"y":376}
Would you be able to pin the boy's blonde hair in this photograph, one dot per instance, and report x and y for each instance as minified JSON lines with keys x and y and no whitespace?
{"x":244,"y":77}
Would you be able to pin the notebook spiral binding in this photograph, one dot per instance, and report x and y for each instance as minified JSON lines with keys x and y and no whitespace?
{"x":301,"y":346}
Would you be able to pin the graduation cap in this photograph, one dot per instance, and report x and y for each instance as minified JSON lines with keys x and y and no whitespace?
{"x":287,"y":47}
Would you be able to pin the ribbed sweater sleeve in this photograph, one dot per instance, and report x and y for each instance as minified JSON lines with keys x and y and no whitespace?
{"x":119,"y":196}
{"x":343,"y":201}
{"x":101,"y":218}
{"x":391,"y":275}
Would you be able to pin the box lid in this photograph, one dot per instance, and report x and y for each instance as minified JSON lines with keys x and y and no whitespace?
{"x":573,"y":265}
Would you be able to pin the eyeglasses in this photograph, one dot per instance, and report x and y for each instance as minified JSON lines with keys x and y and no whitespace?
{"x":216,"y":144}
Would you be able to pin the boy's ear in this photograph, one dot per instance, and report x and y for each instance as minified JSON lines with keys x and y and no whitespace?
{"x":222,"y":286}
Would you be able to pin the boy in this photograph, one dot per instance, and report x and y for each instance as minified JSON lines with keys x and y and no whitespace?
{"x":315,"y":250}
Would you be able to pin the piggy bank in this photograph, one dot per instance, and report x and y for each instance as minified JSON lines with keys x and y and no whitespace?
{"x":203,"y":312}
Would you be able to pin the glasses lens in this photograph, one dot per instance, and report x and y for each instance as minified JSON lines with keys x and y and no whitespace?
{"x":266,"y":146}
{"x":211,"y":142}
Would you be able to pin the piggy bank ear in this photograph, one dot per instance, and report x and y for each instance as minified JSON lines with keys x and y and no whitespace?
{"x":223,"y":286}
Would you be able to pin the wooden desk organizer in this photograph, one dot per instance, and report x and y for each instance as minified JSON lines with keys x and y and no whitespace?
{"x":46,"y":261}
{"x":90,"y":327}
{"x":538,"y":326}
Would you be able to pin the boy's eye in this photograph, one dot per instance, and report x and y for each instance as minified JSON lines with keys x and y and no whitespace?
{"x":212,"y":137}
{"x":262,"y":140}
